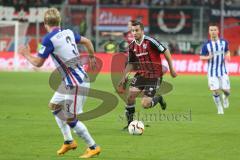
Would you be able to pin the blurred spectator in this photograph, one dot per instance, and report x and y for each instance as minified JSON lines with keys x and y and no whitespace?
{"x":55,"y":1}
{"x":237,"y":52}
{"x":116,"y":2}
{"x":228,"y":2}
{"x":83,"y":26}
{"x":173,"y":47}
{"x":144,"y":3}
{"x":211,"y":3}
{"x":214,"y":3}
{"x":125,"y":2}
{"x":176,"y":2}
{"x":158,"y":2}
{"x":110,"y":46}
{"x":128,"y":37}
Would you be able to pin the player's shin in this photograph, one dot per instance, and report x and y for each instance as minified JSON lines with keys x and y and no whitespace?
{"x":159,"y":99}
{"x":129,"y":112}
{"x":217,"y":101}
{"x":81,"y":130}
{"x":225,"y":96}
{"x":65,"y":129}
{"x":155,"y":101}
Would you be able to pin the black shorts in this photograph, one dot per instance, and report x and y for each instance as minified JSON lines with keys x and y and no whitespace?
{"x":148,"y":85}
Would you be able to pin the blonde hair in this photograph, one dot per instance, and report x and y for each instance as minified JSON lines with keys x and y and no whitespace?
{"x":52,"y":17}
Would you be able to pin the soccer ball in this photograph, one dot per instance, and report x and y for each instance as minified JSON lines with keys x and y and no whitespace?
{"x":136,"y":127}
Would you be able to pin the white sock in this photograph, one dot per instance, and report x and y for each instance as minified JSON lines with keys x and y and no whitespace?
{"x":225,"y":99}
{"x":81,"y":130}
{"x":218,"y":103}
{"x":64,"y":127}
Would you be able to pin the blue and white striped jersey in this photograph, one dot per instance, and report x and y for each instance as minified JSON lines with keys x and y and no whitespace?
{"x":61,"y":45}
{"x":216,"y":65}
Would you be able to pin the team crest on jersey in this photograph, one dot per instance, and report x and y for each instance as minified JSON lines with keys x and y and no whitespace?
{"x":144,"y":45}
{"x":42,"y":49}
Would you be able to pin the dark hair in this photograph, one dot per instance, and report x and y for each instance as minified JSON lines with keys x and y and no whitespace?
{"x":213,"y":24}
{"x":136,"y":23}
{"x":132,"y":21}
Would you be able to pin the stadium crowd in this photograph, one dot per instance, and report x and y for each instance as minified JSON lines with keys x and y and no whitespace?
{"x":122,"y":2}
{"x":167,"y":2}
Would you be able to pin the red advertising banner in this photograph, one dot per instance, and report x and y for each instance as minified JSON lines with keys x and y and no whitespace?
{"x":183,"y":64}
{"x":191,"y":64}
{"x":118,"y":18}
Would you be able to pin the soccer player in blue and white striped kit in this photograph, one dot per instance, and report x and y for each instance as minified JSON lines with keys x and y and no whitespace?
{"x":216,"y":51}
{"x":67,"y":102}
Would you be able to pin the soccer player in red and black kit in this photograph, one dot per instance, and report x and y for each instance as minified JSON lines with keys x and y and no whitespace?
{"x":145,"y":52}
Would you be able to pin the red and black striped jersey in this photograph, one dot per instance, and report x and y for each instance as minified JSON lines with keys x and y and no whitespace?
{"x":146,"y":55}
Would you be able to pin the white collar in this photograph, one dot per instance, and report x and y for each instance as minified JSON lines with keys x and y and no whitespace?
{"x":140,"y":42}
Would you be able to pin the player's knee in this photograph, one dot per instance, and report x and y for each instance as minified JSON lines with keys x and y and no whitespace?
{"x":216,"y":92}
{"x":54,"y":107}
{"x":226,"y":92}
{"x":145,"y":103}
{"x":72,"y":122}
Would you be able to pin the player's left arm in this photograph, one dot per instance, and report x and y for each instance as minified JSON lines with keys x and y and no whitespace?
{"x":25,"y":51}
{"x":228,"y":55}
{"x":88,"y":44}
{"x":169,"y":61}
{"x":161,"y":49}
{"x":227,"y":52}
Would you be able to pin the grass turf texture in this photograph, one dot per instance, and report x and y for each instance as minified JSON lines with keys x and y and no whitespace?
{"x":28,"y":130}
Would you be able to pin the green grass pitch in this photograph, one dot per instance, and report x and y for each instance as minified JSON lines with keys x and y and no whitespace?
{"x":28,"y":130}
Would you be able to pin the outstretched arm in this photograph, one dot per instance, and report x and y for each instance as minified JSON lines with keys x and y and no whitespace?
{"x":122,"y":84}
{"x":127,"y":69}
{"x":25,"y":52}
{"x":169,"y":60}
{"x":88,"y":44}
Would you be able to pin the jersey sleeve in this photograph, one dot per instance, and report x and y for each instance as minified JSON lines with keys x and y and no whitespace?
{"x":204,"y":51}
{"x":226,"y":46}
{"x":46,"y":48}
{"x":157,"y":45}
{"x":77,"y":37}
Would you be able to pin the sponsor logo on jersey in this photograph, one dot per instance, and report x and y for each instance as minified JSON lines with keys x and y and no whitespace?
{"x":144,"y":45}
{"x":42,"y":49}
{"x":142,"y":54}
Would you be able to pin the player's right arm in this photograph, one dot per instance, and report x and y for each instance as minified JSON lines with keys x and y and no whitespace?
{"x":25,"y":52}
{"x":128,"y":68}
{"x":121,"y":88}
{"x":205,"y":54}
{"x":43,"y":53}
{"x":130,"y":65}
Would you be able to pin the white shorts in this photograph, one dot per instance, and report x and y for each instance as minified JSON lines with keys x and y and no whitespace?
{"x":216,"y":83}
{"x":71,"y":98}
